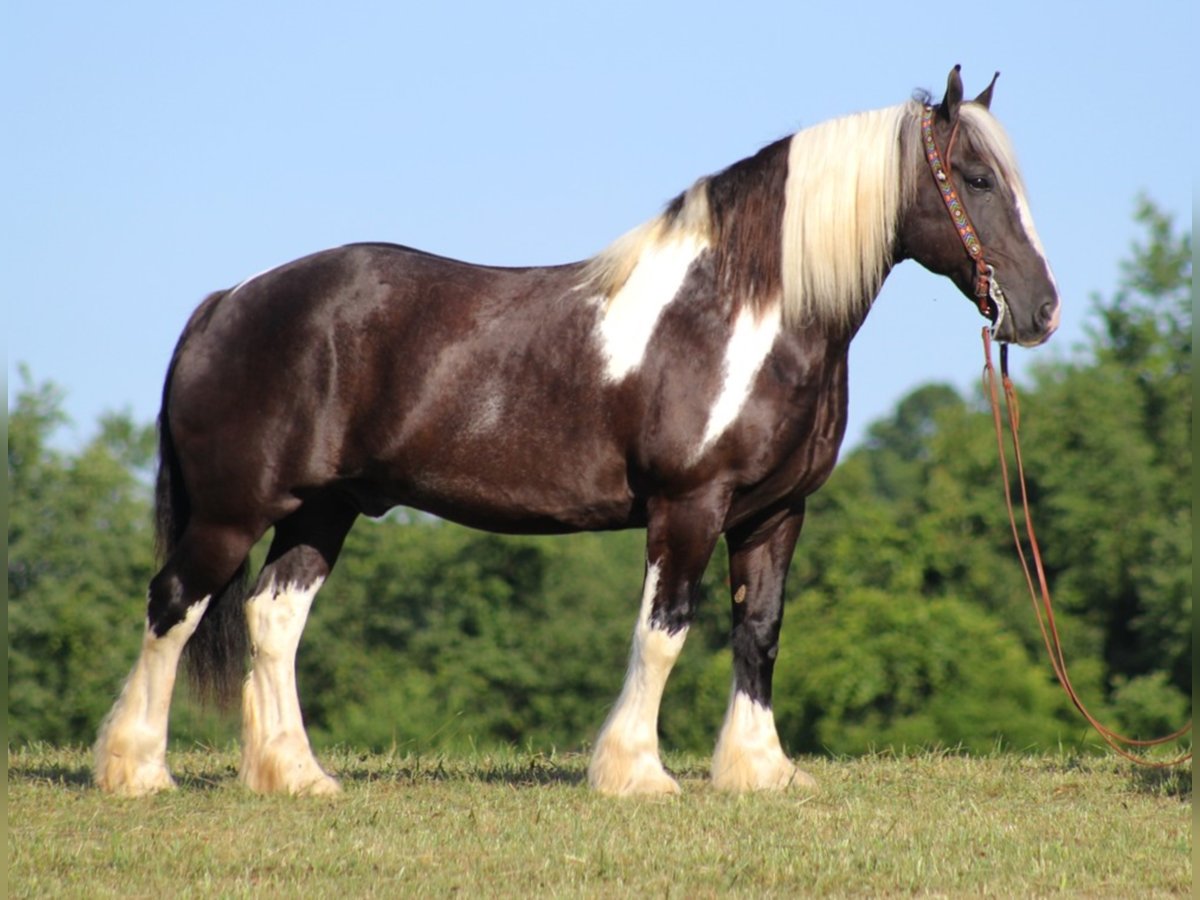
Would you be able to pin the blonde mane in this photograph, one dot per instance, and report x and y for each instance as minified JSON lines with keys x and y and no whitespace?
{"x":843,"y":199}
{"x":808,"y":225}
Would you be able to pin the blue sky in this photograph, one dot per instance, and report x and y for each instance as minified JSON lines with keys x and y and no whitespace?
{"x":157,"y":151}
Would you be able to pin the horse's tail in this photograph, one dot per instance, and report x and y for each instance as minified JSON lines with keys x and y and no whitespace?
{"x":215,"y":655}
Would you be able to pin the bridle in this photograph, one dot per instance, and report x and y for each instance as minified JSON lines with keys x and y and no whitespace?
{"x":988,"y":294}
{"x":990,"y":298}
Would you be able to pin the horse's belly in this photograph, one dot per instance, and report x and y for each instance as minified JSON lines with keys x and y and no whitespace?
{"x":508,"y":489}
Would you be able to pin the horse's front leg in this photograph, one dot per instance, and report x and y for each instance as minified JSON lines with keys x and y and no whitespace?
{"x":748,"y":755}
{"x":679,"y":541}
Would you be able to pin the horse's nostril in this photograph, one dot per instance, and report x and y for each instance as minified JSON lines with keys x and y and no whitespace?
{"x":1047,"y":315}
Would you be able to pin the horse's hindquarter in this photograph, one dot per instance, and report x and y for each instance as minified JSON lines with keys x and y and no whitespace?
{"x":398,"y":377}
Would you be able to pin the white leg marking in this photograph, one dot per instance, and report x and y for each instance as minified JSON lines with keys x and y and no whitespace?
{"x":626,"y":760}
{"x":276,"y":756}
{"x":631,"y":314}
{"x":748,"y":756}
{"x":748,"y":347}
{"x":131,"y":750}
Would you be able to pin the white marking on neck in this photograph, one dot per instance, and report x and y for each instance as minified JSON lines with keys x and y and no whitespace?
{"x":633,"y":312}
{"x":749,"y":345}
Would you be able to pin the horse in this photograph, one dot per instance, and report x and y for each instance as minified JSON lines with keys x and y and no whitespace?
{"x":690,"y":379}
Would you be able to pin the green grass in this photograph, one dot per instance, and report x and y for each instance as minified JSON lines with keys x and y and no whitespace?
{"x":522,"y":824}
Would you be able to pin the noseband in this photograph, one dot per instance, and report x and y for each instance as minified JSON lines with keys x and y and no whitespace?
{"x":988,"y":294}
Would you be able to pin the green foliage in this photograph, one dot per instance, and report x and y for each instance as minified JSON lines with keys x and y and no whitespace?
{"x":1114,"y":456}
{"x":430,"y":635}
{"x":873,"y":669}
{"x":80,"y":551}
{"x":908,"y":621}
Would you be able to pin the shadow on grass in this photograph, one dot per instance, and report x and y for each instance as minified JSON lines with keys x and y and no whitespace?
{"x":64,"y":775}
{"x":81,"y":777}
{"x":537,"y":770}
{"x":514,"y":767}
{"x":1173,"y":782}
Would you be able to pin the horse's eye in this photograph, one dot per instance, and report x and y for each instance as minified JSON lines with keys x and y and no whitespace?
{"x":980,"y":182}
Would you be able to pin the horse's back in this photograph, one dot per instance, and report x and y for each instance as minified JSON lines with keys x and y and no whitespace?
{"x":402,"y":377}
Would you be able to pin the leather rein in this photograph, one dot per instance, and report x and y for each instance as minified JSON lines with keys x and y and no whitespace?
{"x":990,"y":299}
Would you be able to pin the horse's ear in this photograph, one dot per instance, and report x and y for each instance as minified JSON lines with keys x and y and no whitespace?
{"x":948,"y":108}
{"x":985,"y":97}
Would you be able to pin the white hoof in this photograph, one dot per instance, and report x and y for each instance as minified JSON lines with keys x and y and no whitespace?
{"x":748,"y":755}
{"x":619,"y":772}
{"x":745,"y":774}
{"x":124,"y":772}
{"x":287,"y":767}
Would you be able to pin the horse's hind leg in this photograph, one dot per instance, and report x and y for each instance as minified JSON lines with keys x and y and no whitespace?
{"x":130,"y":752}
{"x":276,"y":755}
{"x":748,"y":755}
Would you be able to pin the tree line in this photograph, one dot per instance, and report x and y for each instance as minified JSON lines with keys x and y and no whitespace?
{"x":907,"y":623}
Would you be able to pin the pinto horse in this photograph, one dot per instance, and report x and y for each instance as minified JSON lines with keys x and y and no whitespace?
{"x":690,"y":379}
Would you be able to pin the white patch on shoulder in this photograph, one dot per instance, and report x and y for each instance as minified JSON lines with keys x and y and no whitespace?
{"x":633,"y":311}
{"x":749,"y":345}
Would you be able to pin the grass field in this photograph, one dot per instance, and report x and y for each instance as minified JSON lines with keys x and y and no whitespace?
{"x":518,"y":824}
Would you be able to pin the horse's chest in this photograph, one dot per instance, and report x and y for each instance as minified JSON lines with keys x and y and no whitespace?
{"x":785,"y":442}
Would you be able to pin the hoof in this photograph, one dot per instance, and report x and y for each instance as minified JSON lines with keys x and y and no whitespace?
{"x":130,"y":764}
{"x":746,"y":774}
{"x":123,"y":776}
{"x":324,"y":786}
{"x":271,"y":780}
{"x":629,"y":774}
{"x":287,"y":767}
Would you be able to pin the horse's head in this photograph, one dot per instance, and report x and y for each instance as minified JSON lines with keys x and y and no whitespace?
{"x":968,"y":217}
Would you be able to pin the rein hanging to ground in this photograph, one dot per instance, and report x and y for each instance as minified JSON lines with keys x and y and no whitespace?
{"x":992,"y":306}
{"x":1042,"y":606}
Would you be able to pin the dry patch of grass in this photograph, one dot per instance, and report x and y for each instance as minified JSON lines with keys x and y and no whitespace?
{"x":525,"y":824}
